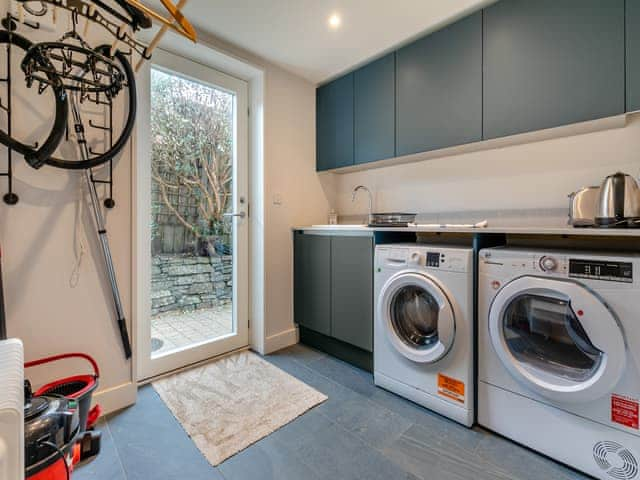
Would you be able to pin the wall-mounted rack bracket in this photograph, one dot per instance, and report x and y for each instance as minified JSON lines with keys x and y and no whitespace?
{"x":10,"y":23}
{"x":97,"y":99}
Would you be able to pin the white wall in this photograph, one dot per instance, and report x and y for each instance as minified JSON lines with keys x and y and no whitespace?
{"x":293,"y":194}
{"x":40,"y":240}
{"x":37,"y":238}
{"x":290,"y":180}
{"x":535,"y":175}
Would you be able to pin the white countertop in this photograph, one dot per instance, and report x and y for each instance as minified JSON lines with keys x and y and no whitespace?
{"x":533,"y":230}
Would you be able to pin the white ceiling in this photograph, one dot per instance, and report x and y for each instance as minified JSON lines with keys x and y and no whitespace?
{"x":295,"y":34}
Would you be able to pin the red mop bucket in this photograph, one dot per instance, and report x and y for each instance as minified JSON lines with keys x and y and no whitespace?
{"x":79,"y":388}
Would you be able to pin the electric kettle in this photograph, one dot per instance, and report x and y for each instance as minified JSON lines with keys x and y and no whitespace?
{"x":619,"y":202}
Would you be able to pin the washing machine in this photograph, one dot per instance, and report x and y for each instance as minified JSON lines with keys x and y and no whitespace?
{"x":423,"y":333}
{"x":559,"y":355}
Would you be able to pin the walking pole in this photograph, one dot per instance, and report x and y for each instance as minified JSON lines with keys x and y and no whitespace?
{"x":3,"y":318}
{"x":102,"y":231}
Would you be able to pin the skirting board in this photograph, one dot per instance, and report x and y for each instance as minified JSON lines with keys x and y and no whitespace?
{"x":281,"y":340}
{"x":116,"y":398}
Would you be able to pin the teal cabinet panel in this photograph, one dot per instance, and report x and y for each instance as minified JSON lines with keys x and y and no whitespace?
{"x":312,"y":282}
{"x":374,"y":117}
{"x":352,"y":290}
{"x":334,"y":124}
{"x":633,"y":55}
{"x":551,"y":62}
{"x":439,"y":89}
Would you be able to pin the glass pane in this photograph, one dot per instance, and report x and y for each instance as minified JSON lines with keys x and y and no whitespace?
{"x":192,"y":127}
{"x":414,"y":316}
{"x":545,"y":333}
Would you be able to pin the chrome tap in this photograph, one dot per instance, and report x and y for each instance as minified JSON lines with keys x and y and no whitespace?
{"x":353,"y":199}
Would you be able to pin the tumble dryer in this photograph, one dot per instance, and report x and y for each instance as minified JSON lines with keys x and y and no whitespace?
{"x":559,"y":355}
{"x":423,"y":334}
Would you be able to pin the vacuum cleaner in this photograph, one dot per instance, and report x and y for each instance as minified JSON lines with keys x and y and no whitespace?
{"x":51,"y":430}
{"x":59,"y":422}
{"x":58,"y":418}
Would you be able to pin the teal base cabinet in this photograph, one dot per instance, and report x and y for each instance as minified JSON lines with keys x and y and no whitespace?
{"x":312,"y":282}
{"x":352,"y":290}
{"x":633,"y":55}
{"x":549,"y":63}
{"x":333,"y":293}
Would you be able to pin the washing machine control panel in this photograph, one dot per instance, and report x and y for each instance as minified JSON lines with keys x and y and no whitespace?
{"x":433,"y":259}
{"x":429,"y":259}
{"x":442,"y":259}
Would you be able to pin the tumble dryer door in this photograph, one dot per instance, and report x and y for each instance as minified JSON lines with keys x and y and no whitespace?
{"x":558,"y":338}
{"x":418,"y":317}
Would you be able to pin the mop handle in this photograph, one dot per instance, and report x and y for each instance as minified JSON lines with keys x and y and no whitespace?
{"x":102,"y":231}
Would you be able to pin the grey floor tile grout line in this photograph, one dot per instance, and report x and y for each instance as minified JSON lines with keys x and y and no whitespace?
{"x":307,"y":366}
{"x":362,"y":440}
{"x":337,"y":424}
{"x":117,"y":450}
{"x":324,"y":436}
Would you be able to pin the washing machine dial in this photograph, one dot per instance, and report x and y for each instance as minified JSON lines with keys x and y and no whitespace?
{"x":415,"y":258}
{"x":548,"y":264}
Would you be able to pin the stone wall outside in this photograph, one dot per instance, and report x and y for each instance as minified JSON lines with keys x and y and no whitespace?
{"x":188,"y":282}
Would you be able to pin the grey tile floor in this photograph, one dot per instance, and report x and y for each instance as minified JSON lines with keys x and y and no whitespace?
{"x":360,"y":432}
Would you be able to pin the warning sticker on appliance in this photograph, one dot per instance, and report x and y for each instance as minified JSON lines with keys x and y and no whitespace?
{"x":451,"y":388}
{"x":624,"y":410}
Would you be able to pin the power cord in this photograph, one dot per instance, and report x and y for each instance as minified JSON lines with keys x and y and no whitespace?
{"x":79,"y":248}
{"x":60,"y":453}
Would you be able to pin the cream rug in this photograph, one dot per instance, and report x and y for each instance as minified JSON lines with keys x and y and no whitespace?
{"x":233,"y":402}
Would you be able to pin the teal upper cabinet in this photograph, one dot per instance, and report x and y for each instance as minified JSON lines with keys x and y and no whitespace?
{"x":439,"y":88}
{"x":552,"y":62}
{"x":633,"y":55}
{"x":374,"y":121}
{"x":334,"y":124}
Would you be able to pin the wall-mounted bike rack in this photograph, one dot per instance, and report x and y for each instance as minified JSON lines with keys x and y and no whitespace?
{"x":9,"y":23}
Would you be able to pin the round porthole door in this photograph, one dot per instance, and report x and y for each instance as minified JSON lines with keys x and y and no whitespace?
{"x":557,"y":338}
{"x":419,"y":319}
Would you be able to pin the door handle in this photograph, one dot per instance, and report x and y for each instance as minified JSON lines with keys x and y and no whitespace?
{"x":239,"y":214}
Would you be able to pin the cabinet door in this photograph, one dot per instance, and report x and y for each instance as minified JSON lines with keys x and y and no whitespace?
{"x":439,"y":89}
{"x":633,"y":55}
{"x":374,"y":118}
{"x":551,"y":62}
{"x":352,"y":290}
{"x":334,"y":124}
{"x":312,"y":282}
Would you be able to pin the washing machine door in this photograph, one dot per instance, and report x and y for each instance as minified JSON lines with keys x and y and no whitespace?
{"x":417,"y":316}
{"x":558,"y":338}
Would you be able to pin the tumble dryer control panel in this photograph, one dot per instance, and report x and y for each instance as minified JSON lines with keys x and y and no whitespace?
{"x":601,"y":267}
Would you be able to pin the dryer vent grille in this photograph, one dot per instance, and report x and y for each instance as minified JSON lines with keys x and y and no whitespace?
{"x":618,"y":462}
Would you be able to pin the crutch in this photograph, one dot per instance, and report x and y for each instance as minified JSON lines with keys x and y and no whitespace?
{"x":102,"y":231}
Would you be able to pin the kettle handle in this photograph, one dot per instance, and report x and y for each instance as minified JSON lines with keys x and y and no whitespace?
{"x":619,"y":187}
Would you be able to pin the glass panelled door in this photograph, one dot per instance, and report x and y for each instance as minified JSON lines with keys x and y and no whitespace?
{"x":192,"y":215}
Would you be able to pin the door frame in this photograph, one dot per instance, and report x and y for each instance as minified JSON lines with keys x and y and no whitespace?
{"x":145,"y":368}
